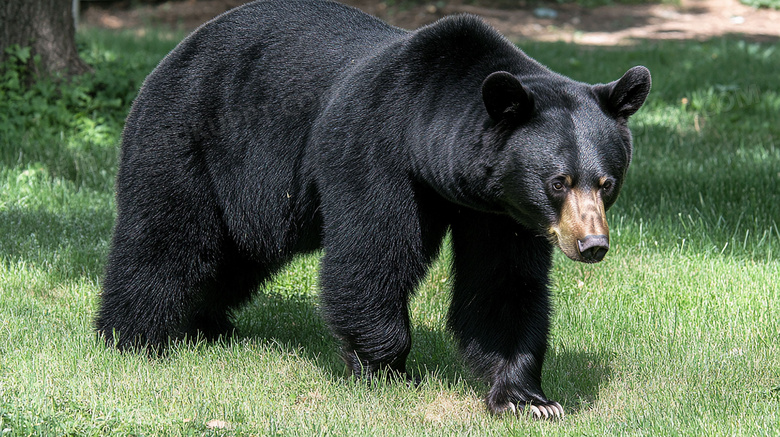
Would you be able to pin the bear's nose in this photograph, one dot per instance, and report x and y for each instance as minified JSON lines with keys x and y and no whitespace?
{"x":593,"y":248}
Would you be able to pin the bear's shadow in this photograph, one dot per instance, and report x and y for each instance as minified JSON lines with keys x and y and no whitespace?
{"x":572,"y":377}
{"x":575,"y":377}
{"x":292,"y":322}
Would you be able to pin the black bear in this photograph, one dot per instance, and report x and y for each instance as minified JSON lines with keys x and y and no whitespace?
{"x":283,"y":127}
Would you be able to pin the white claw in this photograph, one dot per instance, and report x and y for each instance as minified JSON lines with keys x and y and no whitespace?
{"x":553,"y":410}
{"x":558,"y":410}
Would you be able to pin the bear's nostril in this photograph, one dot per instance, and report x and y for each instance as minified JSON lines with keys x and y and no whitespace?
{"x":593,"y":248}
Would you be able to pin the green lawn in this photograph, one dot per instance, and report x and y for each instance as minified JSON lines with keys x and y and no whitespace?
{"x":677,"y":332}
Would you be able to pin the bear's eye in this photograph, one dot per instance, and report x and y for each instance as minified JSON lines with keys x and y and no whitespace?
{"x":606,"y":185}
{"x":558,"y":186}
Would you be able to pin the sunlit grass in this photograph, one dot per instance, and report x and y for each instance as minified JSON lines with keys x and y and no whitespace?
{"x":675,"y":333}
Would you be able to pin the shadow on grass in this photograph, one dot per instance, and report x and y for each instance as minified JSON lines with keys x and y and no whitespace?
{"x":576,"y":377}
{"x":572,"y":377}
{"x":295,"y":323}
{"x":66,"y":245}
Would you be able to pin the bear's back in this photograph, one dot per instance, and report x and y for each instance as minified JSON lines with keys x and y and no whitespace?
{"x":281,"y":35}
{"x":254,"y":58}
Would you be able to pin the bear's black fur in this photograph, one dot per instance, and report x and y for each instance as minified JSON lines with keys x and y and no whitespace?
{"x":282,"y":127}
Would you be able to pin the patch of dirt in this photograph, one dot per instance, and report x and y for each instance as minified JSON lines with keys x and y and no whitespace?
{"x":606,"y":25}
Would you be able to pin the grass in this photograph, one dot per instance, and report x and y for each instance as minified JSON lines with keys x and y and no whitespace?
{"x":768,"y":4}
{"x":675,"y":333}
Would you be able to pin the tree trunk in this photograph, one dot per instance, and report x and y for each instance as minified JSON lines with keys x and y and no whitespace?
{"x":46,"y":26}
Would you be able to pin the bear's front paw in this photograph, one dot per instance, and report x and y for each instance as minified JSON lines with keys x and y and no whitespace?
{"x":551,"y":410}
{"x":548,"y":411}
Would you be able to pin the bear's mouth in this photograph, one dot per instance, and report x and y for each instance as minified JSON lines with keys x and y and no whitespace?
{"x":582,"y":232}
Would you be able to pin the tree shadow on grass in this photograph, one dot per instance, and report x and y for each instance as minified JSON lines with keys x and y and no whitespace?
{"x":66,"y":245}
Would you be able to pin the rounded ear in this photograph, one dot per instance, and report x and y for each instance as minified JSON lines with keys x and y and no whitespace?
{"x":626,"y":95}
{"x":506,"y":98}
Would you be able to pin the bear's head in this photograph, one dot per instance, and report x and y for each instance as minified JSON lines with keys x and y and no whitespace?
{"x":566,"y":149}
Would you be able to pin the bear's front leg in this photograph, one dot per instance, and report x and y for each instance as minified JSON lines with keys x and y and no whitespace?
{"x":500,"y":309}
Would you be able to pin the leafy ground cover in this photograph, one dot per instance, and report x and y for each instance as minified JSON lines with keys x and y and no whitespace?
{"x":770,"y":4}
{"x":675,"y":333}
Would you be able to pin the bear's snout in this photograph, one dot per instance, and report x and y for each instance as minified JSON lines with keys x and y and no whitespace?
{"x":582,"y":232}
{"x":593,"y":248}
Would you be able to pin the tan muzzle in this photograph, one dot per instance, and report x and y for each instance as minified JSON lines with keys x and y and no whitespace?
{"x":582,"y":232}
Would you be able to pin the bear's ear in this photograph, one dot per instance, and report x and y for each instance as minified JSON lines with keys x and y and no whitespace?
{"x":506,"y":98}
{"x":625,"y":96}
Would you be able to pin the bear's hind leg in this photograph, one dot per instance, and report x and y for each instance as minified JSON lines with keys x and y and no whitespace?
{"x":159,"y":279}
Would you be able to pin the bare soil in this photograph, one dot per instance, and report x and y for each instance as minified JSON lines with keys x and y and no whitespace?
{"x":606,"y":25}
